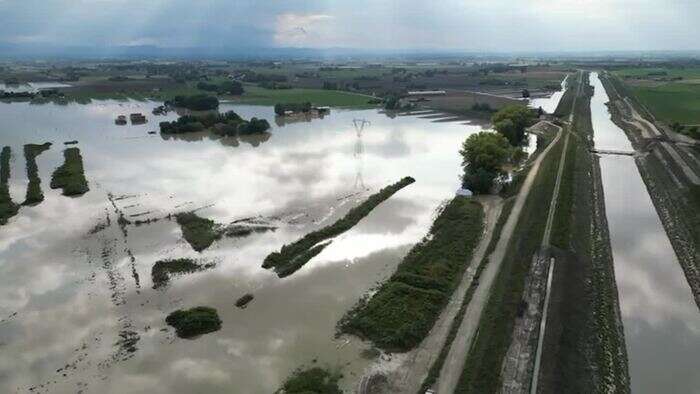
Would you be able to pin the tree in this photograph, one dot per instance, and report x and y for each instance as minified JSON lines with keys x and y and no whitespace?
{"x":483,"y":156}
{"x":511,"y":121}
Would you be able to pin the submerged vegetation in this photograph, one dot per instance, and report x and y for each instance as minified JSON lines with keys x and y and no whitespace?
{"x":199,"y":232}
{"x":70,"y":176}
{"x":312,"y":381}
{"x":7,"y":207}
{"x":193,"y":322}
{"x":293,"y":256}
{"x":34,"y":193}
{"x":164,"y":269}
{"x":404,"y":309}
{"x":244,"y":301}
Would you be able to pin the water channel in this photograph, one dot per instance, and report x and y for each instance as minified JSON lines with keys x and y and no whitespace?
{"x":661,"y":321}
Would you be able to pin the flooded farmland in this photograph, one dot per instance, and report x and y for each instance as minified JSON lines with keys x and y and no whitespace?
{"x":78,"y":311}
{"x":661,"y":321}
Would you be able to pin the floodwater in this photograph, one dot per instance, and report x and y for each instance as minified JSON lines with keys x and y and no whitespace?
{"x":661,"y":321}
{"x":31,"y":86}
{"x":549,"y":104}
{"x":72,"y":302}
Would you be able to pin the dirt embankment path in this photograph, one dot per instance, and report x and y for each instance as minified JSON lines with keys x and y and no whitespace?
{"x":456,"y":357}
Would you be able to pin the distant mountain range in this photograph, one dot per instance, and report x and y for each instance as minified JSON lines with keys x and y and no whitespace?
{"x":10,"y":51}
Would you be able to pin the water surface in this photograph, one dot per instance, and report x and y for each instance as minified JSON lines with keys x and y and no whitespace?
{"x":66,"y":294}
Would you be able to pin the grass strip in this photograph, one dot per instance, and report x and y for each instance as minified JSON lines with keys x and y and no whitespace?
{"x":8,"y":208}
{"x":434,"y":371}
{"x":190,"y":323}
{"x":293,"y":256}
{"x":34,"y":193}
{"x":403,"y":310}
{"x":163,"y":270}
{"x":70,"y":176}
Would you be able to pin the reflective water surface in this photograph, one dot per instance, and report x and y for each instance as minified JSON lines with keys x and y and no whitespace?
{"x":549,"y":104}
{"x":661,"y":321}
{"x":73,"y":301}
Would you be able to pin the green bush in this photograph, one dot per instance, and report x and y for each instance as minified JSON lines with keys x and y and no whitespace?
{"x":194,"y":322}
{"x":312,"y":381}
{"x":70,"y":176}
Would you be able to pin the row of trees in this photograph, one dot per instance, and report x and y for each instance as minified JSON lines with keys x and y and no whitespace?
{"x":227,"y":87}
{"x":484,"y":154}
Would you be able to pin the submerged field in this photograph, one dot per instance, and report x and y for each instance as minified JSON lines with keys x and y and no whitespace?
{"x":89,"y":263}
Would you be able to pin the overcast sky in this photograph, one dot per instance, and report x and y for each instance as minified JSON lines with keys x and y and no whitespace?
{"x":466,"y":25}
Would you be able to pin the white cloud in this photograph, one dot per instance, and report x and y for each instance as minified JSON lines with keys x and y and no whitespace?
{"x":299,"y":30}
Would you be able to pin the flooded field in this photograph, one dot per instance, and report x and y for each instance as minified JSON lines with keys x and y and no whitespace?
{"x":549,"y":104}
{"x":78,"y":311}
{"x":661,"y":321}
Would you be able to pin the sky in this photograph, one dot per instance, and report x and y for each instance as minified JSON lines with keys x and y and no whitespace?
{"x":455,"y":25}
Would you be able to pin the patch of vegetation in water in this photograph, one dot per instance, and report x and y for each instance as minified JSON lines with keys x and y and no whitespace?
{"x":225,"y":124}
{"x":193,"y":322}
{"x":34,"y":193}
{"x":70,"y":176}
{"x":405,"y":307}
{"x":8,"y":208}
{"x":199,"y":232}
{"x":315,"y":380}
{"x":244,"y":301}
{"x":163,"y":270}
{"x":293,"y":256}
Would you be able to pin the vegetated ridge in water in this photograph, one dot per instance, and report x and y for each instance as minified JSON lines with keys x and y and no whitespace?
{"x":660,"y":319}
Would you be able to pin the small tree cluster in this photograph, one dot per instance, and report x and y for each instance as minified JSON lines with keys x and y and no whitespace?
{"x":483,"y":156}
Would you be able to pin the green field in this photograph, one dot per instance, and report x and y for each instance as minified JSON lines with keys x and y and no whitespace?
{"x":668,"y":99}
{"x":334,"y":98}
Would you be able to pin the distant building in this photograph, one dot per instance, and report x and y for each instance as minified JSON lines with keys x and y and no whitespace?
{"x":427,"y":93}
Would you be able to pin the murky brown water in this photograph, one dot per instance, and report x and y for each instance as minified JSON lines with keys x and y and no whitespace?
{"x":66,"y":295}
{"x":661,"y":321}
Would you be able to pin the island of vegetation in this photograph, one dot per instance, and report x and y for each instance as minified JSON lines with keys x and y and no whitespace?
{"x":34,"y":193}
{"x":293,"y":256}
{"x":194,"y":322}
{"x":199,"y":232}
{"x":226,"y":124}
{"x":243,"y":301}
{"x":163,"y":270}
{"x":70,"y":176}
{"x":8,"y":208}
{"x":198,"y":102}
{"x":402,"y":312}
{"x":311,"y":381}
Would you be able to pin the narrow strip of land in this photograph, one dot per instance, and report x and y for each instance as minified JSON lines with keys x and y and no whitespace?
{"x":454,"y":364}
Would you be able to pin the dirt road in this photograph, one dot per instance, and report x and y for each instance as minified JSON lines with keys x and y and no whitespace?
{"x":454,"y":363}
